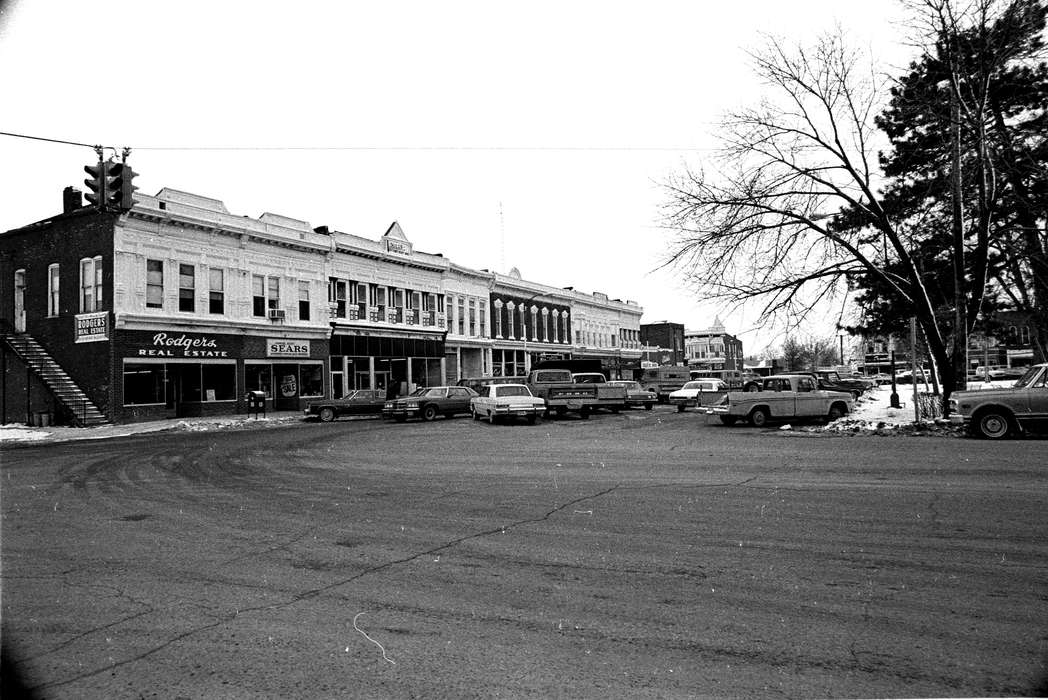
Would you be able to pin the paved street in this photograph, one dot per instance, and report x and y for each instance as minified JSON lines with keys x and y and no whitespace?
{"x":643,"y":554}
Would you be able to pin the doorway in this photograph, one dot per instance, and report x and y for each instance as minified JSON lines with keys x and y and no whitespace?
{"x":19,"y":301}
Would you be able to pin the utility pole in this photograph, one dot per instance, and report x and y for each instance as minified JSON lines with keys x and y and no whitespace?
{"x":960,"y":286}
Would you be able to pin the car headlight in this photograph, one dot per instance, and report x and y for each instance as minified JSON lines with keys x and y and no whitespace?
{"x":389,"y":404}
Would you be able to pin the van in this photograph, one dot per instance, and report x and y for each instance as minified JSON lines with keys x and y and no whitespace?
{"x":663,"y":381}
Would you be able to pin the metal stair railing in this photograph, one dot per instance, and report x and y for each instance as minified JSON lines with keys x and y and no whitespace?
{"x":59,"y":383}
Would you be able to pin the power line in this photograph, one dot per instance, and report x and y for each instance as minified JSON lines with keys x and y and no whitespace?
{"x":41,"y":138}
{"x":668,"y":149}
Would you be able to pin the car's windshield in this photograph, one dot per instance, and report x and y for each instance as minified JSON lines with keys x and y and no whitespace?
{"x":1028,"y":378}
{"x":628,"y":385}
{"x":589,"y":379}
{"x":510,"y":390}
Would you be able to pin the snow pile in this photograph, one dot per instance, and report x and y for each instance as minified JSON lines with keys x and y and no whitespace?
{"x":19,"y":433}
{"x":872,"y":414}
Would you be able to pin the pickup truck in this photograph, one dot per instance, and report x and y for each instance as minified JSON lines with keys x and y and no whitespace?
{"x":993,"y":414}
{"x":609,"y":395}
{"x":783,"y":397}
{"x":562,"y":393}
{"x":832,"y":381}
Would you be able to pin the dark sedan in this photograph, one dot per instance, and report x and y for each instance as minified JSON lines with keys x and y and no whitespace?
{"x":355,"y":403}
{"x":429,"y":402}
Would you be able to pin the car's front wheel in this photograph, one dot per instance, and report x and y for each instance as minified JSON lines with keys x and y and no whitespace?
{"x":429,"y":412}
{"x":728,"y":420}
{"x":992,"y":425}
{"x":473,"y":412}
{"x":837,"y":410}
{"x":327,"y":414}
{"x":648,"y":406}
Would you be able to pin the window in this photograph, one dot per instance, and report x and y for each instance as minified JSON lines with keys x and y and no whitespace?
{"x":91,"y":284}
{"x":258,"y":295}
{"x":497,"y":316}
{"x":472,"y":317}
{"x":52,"y":289}
{"x":186,"y":287}
{"x":482,"y":318}
{"x":303,"y":301}
{"x":311,"y":380}
{"x":273,"y":293}
{"x":143,"y":384}
{"x":154,"y":284}
{"x":216,"y":301}
{"x":218,"y":382}
{"x":337,"y":296}
{"x":461,"y":316}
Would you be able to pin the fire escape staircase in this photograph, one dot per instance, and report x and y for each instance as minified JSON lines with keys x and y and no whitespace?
{"x":83,"y":410}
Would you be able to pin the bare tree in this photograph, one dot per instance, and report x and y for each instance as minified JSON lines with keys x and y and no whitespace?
{"x":793,"y":209}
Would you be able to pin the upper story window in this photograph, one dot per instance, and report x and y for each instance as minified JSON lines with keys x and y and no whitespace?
{"x":303,"y":301}
{"x":258,"y":295}
{"x":461,"y":316}
{"x":482,"y":317}
{"x":186,"y":287}
{"x":273,"y":293}
{"x":52,"y":289}
{"x":337,"y":296}
{"x":472,"y":317}
{"x":154,"y":284}
{"x":216,"y":301}
{"x":91,"y":284}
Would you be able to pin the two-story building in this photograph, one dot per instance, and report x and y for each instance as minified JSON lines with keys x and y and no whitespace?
{"x":178,"y":307}
{"x":713,"y":348}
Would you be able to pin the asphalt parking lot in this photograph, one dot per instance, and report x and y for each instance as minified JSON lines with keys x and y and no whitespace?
{"x":645,"y":553}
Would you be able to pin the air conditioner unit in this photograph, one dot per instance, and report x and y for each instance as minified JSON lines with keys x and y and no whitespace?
{"x":276,"y":314}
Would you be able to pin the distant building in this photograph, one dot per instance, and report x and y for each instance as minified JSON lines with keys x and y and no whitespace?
{"x":713,"y":348}
{"x":664,"y":342}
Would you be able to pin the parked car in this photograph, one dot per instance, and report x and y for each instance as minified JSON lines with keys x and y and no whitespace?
{"x":506,"y":401}
{"x":784,"y":397}
{"x":429,"y":402}
{"x":700,"y":392}
{"x":636,"y":395}
{"x":997,"y":413}
{"x":355,"y":403}
{"x":477,"y":384}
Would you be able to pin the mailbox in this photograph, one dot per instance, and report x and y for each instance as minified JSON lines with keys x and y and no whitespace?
{"x":256,"y":401}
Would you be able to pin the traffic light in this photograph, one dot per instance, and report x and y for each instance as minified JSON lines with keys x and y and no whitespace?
{"x":124,"y":188}
{"x":110,"y":185}
{"x":96,"y":184}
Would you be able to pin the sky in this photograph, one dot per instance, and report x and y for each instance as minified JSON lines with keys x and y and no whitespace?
{"x":531,"y":135}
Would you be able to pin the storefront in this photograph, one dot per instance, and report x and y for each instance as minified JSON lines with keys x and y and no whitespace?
{"x":171,"y":374}
{"x":386,"y":360}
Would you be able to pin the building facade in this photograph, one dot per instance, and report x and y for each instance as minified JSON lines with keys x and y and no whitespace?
{"x":179,"y":308}
{"x":664,"y":342}
{"x":713,"y":348}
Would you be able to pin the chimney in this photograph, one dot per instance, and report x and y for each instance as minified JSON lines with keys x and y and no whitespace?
{"x":72,"y":199}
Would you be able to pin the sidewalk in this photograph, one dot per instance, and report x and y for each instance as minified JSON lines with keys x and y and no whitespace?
{"x":18,"y":433}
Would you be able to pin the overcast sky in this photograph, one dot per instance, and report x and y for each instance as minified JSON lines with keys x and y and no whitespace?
{"x":530,"y":135}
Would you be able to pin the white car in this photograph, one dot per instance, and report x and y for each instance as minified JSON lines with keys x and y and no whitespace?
{"x":699,"y":392}
{"x":506,"y":400}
